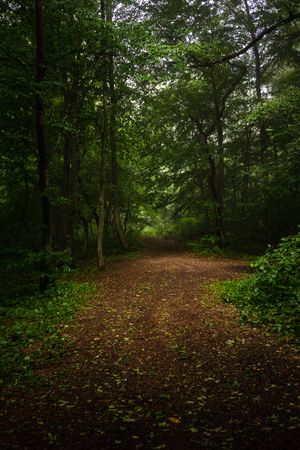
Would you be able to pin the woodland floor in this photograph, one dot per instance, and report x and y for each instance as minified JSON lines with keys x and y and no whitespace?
{"x":156,"y":362}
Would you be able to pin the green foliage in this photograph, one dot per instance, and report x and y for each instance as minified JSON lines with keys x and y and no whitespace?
{"x":278,"y":107}
{"x":278,"y":272}
{"x":272,"y":294}
{"x":35,"y":266}
{"x":155,"y":222}
{"x":184,"y":228}
{"x":167,"y":100}
{"x":150,"y":231}
{"x":206,"y":246}
{"x":31,"y":332}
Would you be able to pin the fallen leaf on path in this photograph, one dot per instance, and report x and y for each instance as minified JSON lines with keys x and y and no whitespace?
{"x":174,"y":420}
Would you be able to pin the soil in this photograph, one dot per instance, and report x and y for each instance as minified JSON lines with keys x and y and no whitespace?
{"x":155,"y":361}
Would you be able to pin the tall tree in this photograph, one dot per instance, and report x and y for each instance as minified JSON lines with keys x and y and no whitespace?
{"x":104,"y":140}
{"x":113,"y":141}
{"x":43,"y":151}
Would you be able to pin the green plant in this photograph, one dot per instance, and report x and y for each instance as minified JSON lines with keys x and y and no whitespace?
{"x":30,"y":328}
{"x":207,"y":245}
{"x":185,"y":228}
{"x":278,"y":272}
{"x":38,"y":265}
{"x":272,"y":294}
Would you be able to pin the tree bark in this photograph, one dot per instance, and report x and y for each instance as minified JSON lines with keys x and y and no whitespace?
{"x":258,"y":72}
{"x":70,"y":167}
{"x":100,"y":237}
{"x":114,"y":159}
{"x":217,"y":168}
{"x":113,"y":145}
{"x":216,"y":198}
{"x":85,"y":243}
{"x":263,"y":138}
{"x":43,"y":153}
{"x":213,"y":183}
{"x":104,"y":146}
{"x":20,"y":231}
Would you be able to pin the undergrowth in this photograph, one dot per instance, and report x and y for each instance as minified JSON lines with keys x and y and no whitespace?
{"x":210,"y":245}
{"x":207,"y":245}
{"x":271,"y":295}
{"x":30,"y":329}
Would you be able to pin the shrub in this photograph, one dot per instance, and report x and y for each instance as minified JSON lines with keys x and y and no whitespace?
{"x":207,"y":245}
{"x":272,"y":294}
{"x":35,"y":266}
{"x":277,"y":272}
{"x":184,"y":228}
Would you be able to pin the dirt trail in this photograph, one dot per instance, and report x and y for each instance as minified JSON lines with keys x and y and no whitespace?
{"x":155,"y":362}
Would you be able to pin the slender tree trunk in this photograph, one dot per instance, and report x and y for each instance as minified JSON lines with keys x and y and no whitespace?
{"x":66,"y":183}
{"x":220,"y":177}
{"x":71,"y":163}
{"x":215,"y":196}
{"x":24,"y":209}
{"x":43,"y":153}
{"x":114,"y":167}
{"x":113,"y":145}
{"x":92,"y":231}
{"x":220,"y":168}
{"x":217,"y":172}
{"x":234,"y":188}
{"x":258,"y":71}
{"x":104,"y":146}
{"x":101,"y":218}
{"x":85,"y":225}
{"x":72,"y":193}
{"x":262,"y":127}
{"x":246,"y":161}
{"x":214,"y":184}
{"x":70,"y":189}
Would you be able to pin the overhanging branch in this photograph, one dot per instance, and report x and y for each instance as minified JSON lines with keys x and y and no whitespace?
{"x":261,"y":35}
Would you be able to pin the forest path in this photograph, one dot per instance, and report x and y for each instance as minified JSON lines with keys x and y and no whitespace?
{"x":155,"y":362}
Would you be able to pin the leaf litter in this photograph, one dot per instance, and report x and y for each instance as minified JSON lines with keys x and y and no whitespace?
{"x":156,"y":362}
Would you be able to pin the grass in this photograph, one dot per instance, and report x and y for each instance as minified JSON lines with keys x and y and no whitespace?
{"x":30,"y":329}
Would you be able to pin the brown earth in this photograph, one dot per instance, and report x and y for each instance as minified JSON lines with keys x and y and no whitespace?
{"x":156,"y":362}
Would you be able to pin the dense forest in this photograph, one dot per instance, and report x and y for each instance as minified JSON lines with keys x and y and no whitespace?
{"x":150,"y":151}
{"x":182,"y":116}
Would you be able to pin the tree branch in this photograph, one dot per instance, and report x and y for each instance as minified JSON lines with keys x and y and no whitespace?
{"x":280,"y":23}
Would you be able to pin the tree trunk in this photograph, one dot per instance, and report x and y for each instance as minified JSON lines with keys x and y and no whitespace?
{"x":104,"y":145}
{"x":217,"y":173}
{"x":115,"y":183}
{"x":262,"y":127}
{"x":66,"y":186}
{"x":220,"y":168}
{"x":214,"y":183}
{"x":70,"y":189}
{"x":215,"y":196}
{"x":85,"y":225}
{"x":20,"y":231}
{"x":100,"y":238}
{"x":43,"y":153}
{"x":113,"y":147}
{"x":70,"y":164}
